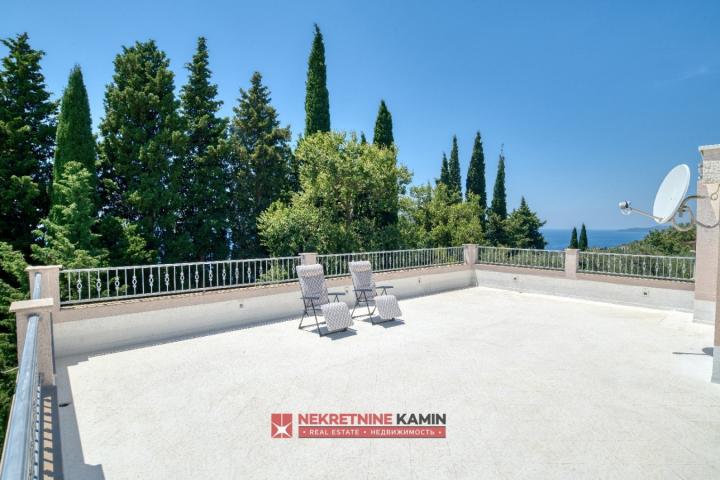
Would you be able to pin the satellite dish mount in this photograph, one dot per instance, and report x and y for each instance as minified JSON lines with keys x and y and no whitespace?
{"x":671,"y":201}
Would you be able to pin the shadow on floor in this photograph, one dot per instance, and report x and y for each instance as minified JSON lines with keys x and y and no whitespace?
{"x":73,"y":459}
{"x":50,"y":447}
{"x":396,"y":322}
{"x":705,"y":351}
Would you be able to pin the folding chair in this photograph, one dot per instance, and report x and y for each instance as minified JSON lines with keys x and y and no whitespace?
{"x":366,"y":294}
{"x":315,"y":297}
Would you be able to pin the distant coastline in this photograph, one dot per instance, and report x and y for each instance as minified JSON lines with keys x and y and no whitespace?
{"x":641,"y":229}
{"x":559,"y":238}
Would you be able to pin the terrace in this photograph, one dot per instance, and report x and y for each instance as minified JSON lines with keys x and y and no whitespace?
{"x":546,"y":363}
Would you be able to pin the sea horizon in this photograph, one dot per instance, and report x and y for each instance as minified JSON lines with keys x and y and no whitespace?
{"x":559,"y":238}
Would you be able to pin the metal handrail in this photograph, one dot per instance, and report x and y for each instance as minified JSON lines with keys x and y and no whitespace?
{"x":21,"y":452}
{"x":521,"y":257}
{"x":84,"y":285}
{"x":639,"y":255}
{"x":657,"y":267}
{"x":336,"y":264}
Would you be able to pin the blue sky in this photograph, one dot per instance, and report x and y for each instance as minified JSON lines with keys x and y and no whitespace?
{"x":594,"y":101}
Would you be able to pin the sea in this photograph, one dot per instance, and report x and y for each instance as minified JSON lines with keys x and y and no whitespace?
{"x":559,"y":238}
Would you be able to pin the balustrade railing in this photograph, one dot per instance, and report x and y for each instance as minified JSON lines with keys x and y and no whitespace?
{"x":83,"y":285}
{"x":643,"y":266}
{"x":522,"y":257}
{"x":336,"y":264}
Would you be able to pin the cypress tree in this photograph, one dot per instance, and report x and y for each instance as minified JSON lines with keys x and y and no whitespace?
{"x":260,"y":164}
{"x":317,"y":102}
{"x":454,"y":178}
{"x":75,"y":141}
{"x":573,"y":239}
{"x":202,"y":185}
{"x":141,"y":139}
{"x":583,"y":240}
{"x":383,"y":136}
{"x":499,"y":201}
{"x":444,"y":172}
{"x":27,"y":139}
{"x":523,"y":228}
{"x":363,"y":140}
{"x":475,"y":182}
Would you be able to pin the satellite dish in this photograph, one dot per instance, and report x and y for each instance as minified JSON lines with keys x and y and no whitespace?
{"x":671,"y":193}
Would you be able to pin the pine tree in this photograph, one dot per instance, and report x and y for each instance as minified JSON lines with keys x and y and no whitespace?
{"x":573,"y":239}
{"x":363,"y":140}
{"x":202,"y":185}
{"x":497,"y":234}
{"x":27,"y":139}
{"x":260,"y":164}
{"x":523,"y":228}
{"x":444,"y":172}
{"x":75,"y":141}
{"x":141,"y":139}
{"x":583,"y":240}
{"x":475,"y":182}
{"x":499,"y":201}
{"x":317,"y":102}
{"x":454,"y":178}
{"x":66,"y":236}
{"x":383,"y":136}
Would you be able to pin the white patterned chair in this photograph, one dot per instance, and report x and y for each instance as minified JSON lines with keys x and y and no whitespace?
{"x":366,"y":293}
{"x":316,"y":300}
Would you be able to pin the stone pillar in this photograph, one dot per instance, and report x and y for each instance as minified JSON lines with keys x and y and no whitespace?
{"x":308,"y":258}
{"x":571,"y":262}
{"x":43,"y":308}
{"x":470,"y":251}
{"x":707,"y":247}
{"x":707,"y":253}
{"x":49,"y":283}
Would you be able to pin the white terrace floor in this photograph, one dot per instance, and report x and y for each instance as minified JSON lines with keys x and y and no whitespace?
{"x":533,"y":387}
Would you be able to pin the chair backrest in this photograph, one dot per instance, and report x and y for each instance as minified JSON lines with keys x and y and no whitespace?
{"x":362,"y":277}
{"x":312,"y":283}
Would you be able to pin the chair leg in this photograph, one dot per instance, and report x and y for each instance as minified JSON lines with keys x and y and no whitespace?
{"x":303,"y":318}
{"x":317,"y":324}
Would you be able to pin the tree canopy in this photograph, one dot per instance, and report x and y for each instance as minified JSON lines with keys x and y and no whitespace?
{"x":317,"y":98}
{"x":523,"y":228}
{"x":343,"y":185}
{"x":261,"y":165}
{"x":141,"y":141}
{"x":583,"y":238}
{"x":573,"y":239}
{"x":499,"y":201}
{"x":27,"y":140}
{"x":454,"y":177}
{"x":383,"y":135}
{"x":75,"y":141}
{"x":202,"y":183}
{"x":475,"y":182}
